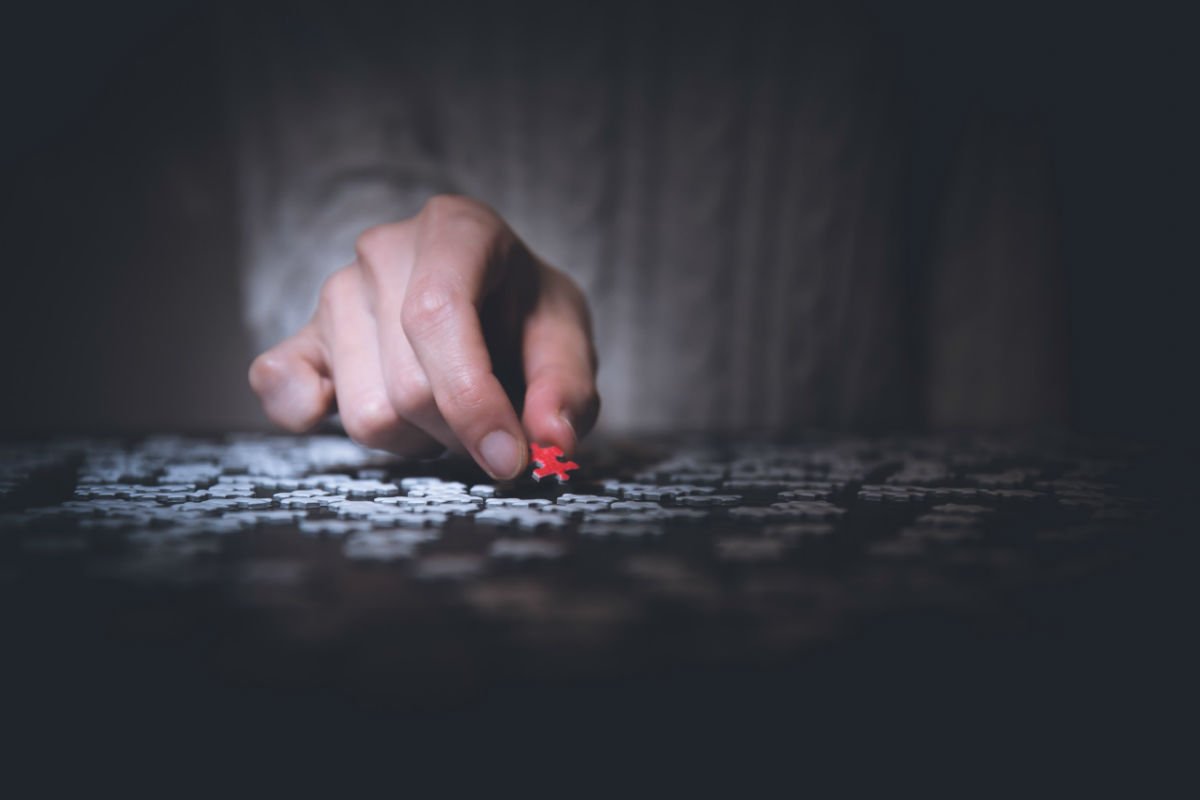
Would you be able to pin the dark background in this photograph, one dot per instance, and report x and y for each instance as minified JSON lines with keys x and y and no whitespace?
{"x":119,"y":310}
{"x":120,"y":306}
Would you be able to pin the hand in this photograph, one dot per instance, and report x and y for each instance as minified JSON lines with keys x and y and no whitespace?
{"x":423,"y":339}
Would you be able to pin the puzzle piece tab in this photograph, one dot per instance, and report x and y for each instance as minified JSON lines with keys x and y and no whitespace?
{"x":546,"y":463}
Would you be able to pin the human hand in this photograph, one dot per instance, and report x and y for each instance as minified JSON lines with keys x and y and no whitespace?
{"x":425,"y":337}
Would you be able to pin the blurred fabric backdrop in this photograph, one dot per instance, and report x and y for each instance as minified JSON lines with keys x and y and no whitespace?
{"x":844,"y":216}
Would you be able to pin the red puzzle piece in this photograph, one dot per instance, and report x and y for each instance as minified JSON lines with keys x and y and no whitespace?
{"x":546,"y":463}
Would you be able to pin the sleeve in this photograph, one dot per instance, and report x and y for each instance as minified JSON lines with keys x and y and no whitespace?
{"x":330,"y":138}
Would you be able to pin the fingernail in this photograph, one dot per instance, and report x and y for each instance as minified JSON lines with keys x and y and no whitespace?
{"x":292,"y":399}
{"x":566,"y":418}
{"x":293,"y":395}
{"x":501,"y":455}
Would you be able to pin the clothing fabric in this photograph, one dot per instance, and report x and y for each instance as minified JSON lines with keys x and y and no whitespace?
{"x":730,"y":185}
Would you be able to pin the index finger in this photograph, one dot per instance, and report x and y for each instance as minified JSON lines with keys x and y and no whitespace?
{"x":459,"y":245}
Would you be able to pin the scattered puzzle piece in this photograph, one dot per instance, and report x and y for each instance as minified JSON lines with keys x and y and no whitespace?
{"x":546,"y":463}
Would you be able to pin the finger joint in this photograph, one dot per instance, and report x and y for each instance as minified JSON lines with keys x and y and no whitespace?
{"x":371,"y":421}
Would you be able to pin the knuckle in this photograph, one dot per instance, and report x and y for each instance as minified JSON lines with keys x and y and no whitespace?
{"x":426,"y":308}
{"x":335,"y":290}
{"x":375,"y":241}
{"x":466,"y":393}
{"x":442,"y":206}
{"x":370,"y":420}
{"x":574,"y":294}
{"x":410,"y":395}
{"x":569,"y":292}
{"x":568,"y":286}
{"x":444,"y":210}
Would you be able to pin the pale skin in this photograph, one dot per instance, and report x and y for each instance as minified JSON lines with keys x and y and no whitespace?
{"x":411,"y":341}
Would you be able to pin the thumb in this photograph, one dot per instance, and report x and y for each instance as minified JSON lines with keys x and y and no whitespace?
{"x":561,"y":403}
